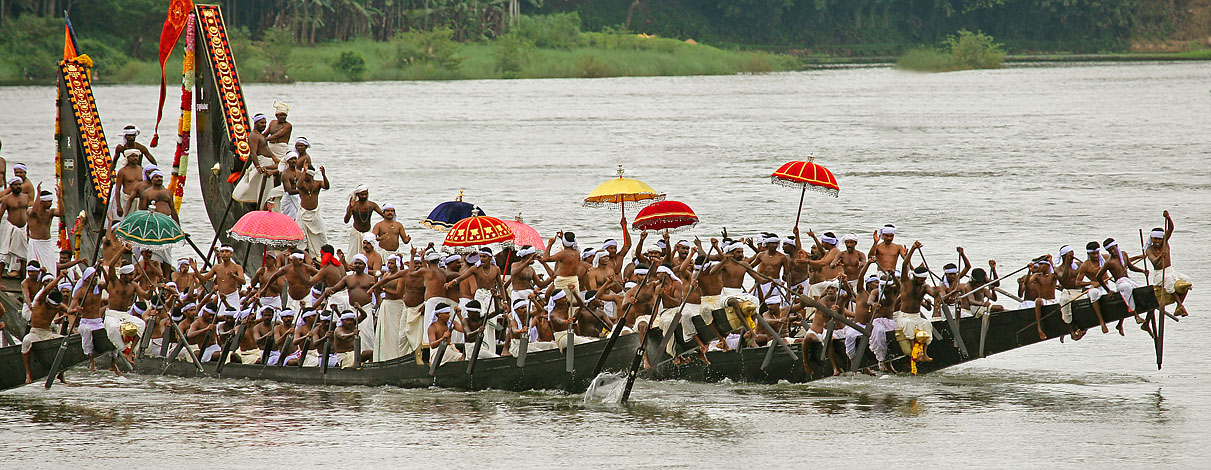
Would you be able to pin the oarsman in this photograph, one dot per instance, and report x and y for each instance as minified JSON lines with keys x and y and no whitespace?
{"x":129,"y":133}
{"x":331,"y":272}
{"x":601,"y":272}
{"x":14,"y":243}
{"x":126,"y":182}
{"x":154,"y":196}
{"x":47,"y":307}
{"x":374,"y":260}
{"x":435,"y":284}
{"x":952,"y":287}
{"x":559,"y":315}
{"x":359,"y":210}
{"x":123,"y":288}
{"x":186,"y":275}
{"x":343,"y":337}
{"x":157,"y":317}
{"x":301,"y":144}
{"x":914,"y":327}
{"x":817,"y":333}
{"x":228,"y":278}
{"x":799,"y":270}
{"x":463,"y":291}
{"x":520,"y":325}
{"x":1026,"y":289}
{"x":617,"y":254}
{"x":86,"y":302}
{"x":290,"y":173}
{"x":1066,"y":275}
{"x":886,"y":251}
{"x":303,"y":330}
{"x":354,"y":286}
{"x":277,"y":133}
{"x":1117,"y":265}
{"x":285,"y":325}
{"x":309,"y":217}
{"x":72,"y":266}
{"x":770,"y":263}
{"x":111,"y":244}
{"x":851,"y":260}
{"x":829,"y":263}
{"x":270,"y":292}
{"x":478,"y":320}
{"x":877,"y":304}
{"x":203,"y":333}
{"x":980,"y":301}
{"x":1165,"y":276}
{"x":41,"y":247}
{"x":567,"y":263}
{"x":248,"y":349}
{"x":1044,"y":282}
{"x":523,"y":279}
{"x":441,"y":330}
{"x":262,"y":334}
{"x":486,"y":276}
{"x":1092,"y":281}
{"x":681,"y":252}
{"x":735,"y":269}
{"x":258,"y":182}
{"x":388,"y":337}
{"x":389,"y":232}
{"x":407,"y":285}
{"x":30,"y":287}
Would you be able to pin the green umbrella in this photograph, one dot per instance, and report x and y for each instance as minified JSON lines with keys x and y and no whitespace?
{"x":150,"y":230}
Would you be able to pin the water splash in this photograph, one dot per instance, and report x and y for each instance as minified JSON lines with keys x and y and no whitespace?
{"x":606,"y":388}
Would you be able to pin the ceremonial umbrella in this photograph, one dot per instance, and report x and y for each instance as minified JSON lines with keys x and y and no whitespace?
{"x":622,"y":192}
{"x":267,"y":228}
{"x":443,"y":217}
{"x":806,"y":175}
{"x":665,"y":215}
{"x":477,"y":231}
{"x":150,"y":230}
{"x":524,"y":234}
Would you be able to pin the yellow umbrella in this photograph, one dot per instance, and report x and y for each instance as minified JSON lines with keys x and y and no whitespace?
{"x":623,"y":192}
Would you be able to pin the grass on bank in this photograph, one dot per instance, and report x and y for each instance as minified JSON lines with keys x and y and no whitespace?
{"x":964,"y":51}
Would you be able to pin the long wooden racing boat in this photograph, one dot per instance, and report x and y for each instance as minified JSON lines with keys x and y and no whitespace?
{"x":42,"y":354}
{"x":1006,"y":331}
{"x":543,"y":370}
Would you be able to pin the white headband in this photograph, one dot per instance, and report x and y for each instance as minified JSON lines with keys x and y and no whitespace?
{"x":348,"y":316}
{"x":950,"y":271}
{"x":227,"y":248}
{"x":640,"y":271}
{"x":829,"y":240}
{"x":666,"y":270}
{"x":259,"y":117}
{"x":433,"y":256}
{"x":297,"y":256}
{"x":1157,"y":234}
{"x":918,"y":275}
{"x":888,"y":229}
{"x":519,"y":303}
{"x":304,"y":141}
{"x":524,"y":252}
{"x":848,"y":237}
{"x":15,"y":180}
{"x":1065,"y":250}
{"x":609,"y":243}
{"x":20,"y":166}
{"x":734,"y":247}
{"x":128,"y":269}
{"x":130,"y":130}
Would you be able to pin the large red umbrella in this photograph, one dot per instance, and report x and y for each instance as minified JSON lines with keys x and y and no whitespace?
{"x":665,"y":215}
{"x":524,"y":234}
{"x":267,"y":228}
{"x":806,"y":175}
{"x":477,"y":231}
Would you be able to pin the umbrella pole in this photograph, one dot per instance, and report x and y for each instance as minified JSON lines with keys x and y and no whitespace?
{"x":800,"y":213}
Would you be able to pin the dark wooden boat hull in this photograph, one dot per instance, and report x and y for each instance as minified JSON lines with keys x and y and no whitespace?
{"x":79,"y":194}
{"x":544,"y":370}
{"x":1007,"y":331}
{"x":42,"y":355}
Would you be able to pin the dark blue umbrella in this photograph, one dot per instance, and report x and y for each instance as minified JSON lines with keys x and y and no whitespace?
{"x":445,"y":215}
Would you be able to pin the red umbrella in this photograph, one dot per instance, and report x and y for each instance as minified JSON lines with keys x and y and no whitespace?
{"x":806,"y":175}
{"x":267,"y":228}
{"x":665,"y":215}
{"x":524,"y":234}
{"x":478,"y":231}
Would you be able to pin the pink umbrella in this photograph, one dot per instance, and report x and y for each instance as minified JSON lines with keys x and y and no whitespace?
{"x":524,"y":234}
{"x":267,"y":228}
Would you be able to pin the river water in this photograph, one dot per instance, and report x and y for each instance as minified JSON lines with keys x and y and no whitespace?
{"x":1009,"y":164}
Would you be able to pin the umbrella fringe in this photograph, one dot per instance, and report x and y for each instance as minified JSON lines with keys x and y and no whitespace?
{"x":263,"y":241}
{"x":630,"y":204}
{"x":800,"y":185}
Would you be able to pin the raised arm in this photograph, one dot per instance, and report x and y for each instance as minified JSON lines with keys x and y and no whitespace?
{"x":965,"y":264}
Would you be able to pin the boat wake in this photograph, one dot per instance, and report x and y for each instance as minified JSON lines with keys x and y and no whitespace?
{"x":605,"y":389}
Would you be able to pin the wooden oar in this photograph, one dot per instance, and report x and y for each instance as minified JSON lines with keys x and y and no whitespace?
{"x":605,"y":353}
{"x":570,"y":344}
{"x":479,"y":340}
{"x":182,"y":344}
{"x":218,"y":229}
{"x":436,"y":359}
{"x":950,"y":320}
{"x":328,"y":338}
{"x":642,"y":349}
{"x":984,"y":329}
{"x":302,"y":351}
{"x":287,"y":339}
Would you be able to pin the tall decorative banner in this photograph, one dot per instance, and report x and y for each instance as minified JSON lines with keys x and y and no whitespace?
{"x":70,"y":51}
{"x":178,"y":14}
{"x":92,"y":137}
{"x":227,"y":81}
{"x":180,"y":163}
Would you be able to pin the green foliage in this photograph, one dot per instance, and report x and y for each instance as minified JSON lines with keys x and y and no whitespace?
{"x":350,"y":63}
{"x":434,"y":48}
{"x":963,"y":51}
{"x":511,"y":55}
{"x":926,"y":59}
{"x":276,"y":45}
{"x":107,"y":61}
{"x":31,"y":47}
{"x":554,"y":31}
{"x":589,"y":66}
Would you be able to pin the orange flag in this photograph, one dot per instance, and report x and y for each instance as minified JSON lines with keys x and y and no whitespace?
{"x":69,"y":40}
{"x":174,"y":24}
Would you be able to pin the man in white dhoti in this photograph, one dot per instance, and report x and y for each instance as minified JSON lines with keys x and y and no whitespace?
{"x":14,"y":212}
{"x":263,"y":170}
{"x":42,"y":247}
{"x":359,"y":210}
{"x":387,"y":331}
{"x":290,"y":172}
{"x":309,"y":216}
{"x":277,"y":133}
{"x":1118,"y":266}
{"x":1165,"y":277}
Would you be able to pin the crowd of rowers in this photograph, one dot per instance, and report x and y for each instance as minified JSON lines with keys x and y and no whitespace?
{"x":298,"y":309}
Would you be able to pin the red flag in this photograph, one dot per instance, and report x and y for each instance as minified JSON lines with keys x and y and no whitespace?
{"x":178,"y":14}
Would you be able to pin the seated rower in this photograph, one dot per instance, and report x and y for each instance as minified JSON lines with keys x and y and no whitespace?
{"x":1066,"y":277}
{"x":1167,"y":278}
{"x":203,"y":332}
{"x":1043,"y":283}
{"x":321,"y":334}
{"x":1088,"y":270}
{"x":343,"y":338}
{"x":440,"y":331}
{"x":817,"y":333}
{"x":520,"y":325}
{"x":301,"y":348}
{"x":46,"y":307}
{"x":476,"y":323}
{"x":912,"y":325}
{"x":248,"y":349}
{"x":282,"y":326}
{"x":1117,"y":265}
{"x":981,"y":301}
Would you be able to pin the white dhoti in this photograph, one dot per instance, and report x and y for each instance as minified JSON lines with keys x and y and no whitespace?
{"x":13,"y":244}
{"x":388,"y":336}
{"x":35,"y":335}
{"x":46,"y":253}
{"x":878,"y":337}
{"x":117,"y":200}
{"x":86,"y":329}
{"x":707,"y":307}
{"x":1096,"y":293}
{"x":561,"y":339}
{"x":1066,"y":297}
{"x":735,"y":293}
{"x":412,"y":329}
{"x":570,"y":284}
{"x":248,"y":189}
{"x":345,"y":359}
{"x":275,"y":301}
{"x":732,"y":341}
{"x":313,"y":231}
{"x":488,"y":350}
{"x":516,"y":295}
{"x":851,"y":339}
{"x":355,"y":246}
{"x":289,"y":206}
{"x":113,"y":323}
{"x":911,"y":323}
{"x":1169,"y":279}
{"x":251,"y":356}
{"x":230,"y":301}
{"x":366,"y":332}
{"x":211,"y":353}
{"x":26,"y":313}
{"x":532,"y":346}
{"x":1126,"y":288}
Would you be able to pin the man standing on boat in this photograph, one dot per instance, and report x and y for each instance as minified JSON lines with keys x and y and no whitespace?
{"x":129,"y":133}
{"x":126,"y":181}
{"x":14,"y":213}
{"x":309,"y":217}
{"x":1166,"y":277}
{"x":228,"y":277}
{"x":886,"y":251}
{"x":290,"y":174}
{"x":913,"y":326}
{"x":359,"y":209}
{"x":248,"y":189}
{"x":46,"y":307}
{"x":1117,"y":265}
{"x":42,"y":248}
{"x":277,"y":133}
{"x":1089,"y":271}
{"x":389,"y":232}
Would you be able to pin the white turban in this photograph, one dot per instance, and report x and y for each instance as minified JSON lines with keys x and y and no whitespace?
{"x":302,"y":140}
{"x":290,"y":156}
{"x":387,"y":207}
{"x":452,"y":258}
{"x":734,"y":247}
{"x":598,"y":256}
{"x":361,"y":188}
{"x":433,"y":256}
{"x":130,"y":130}
{"x":348,"y":316}
{"x":848,"y":237}
{"x":362,"y":258}
{"x":524,"y":252}
{"x":551,"y":303}
{"x":297,"y":255}
{"x":398,"y":260}
{"x":666,"y":270}
{"x":14,"y":180}
{"x":369,"y":237}
{"x":20,"y":166}
{"x":132,"y":153}
{"x":609,"y":243}
{"x":888,"y":229}
{"x":258,"y":117}
{"x":1065,"y":250}
{"x":1156,"y":234}
{"x":128,"y":269}
{"x":280,"y":107}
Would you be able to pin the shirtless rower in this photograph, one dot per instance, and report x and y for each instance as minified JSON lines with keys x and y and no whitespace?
{"x":126,"y":181}
{"x":30,"y":287}
{"x":203,"y":333}
{"x":47,"y":307}
{"x":14,"y":243}
{"x":886,"y":251}
{"x":771,"y":263}
{"x":42,"y":248}
{"x":444,"y":324}
{"x":301,"y":145}
{"x":155,"y":197}
{"x":389,"y":232}
{"x":734,"y":269}
{"x":124,"y":288}
{"x":356,"y":285}
{"x":290,"y":172}
{"x":616,"y":254}
{"x":269,"y":294}
{"x":1066,"y":276}
{"x":567,"y":263}
{"x":1117,"y":265}
{"x":343,"y":340}
{"x":523,"y":279}
{"x":1166,"y":277}
{"x":186,"y":275}
{"x":86,"y":302}
{"x":228,"y":278}
{"x":829,"y":263}
{"x":258,"y":183}
{"x":321,"y":333}
{"x":435,"y":284}
{"x":359,"y":210}
{"x":601,"y":272}
{"x":129,"y":133}
{"x":404,"y":293}
{"x":261,"y":335}
{"x":1092,"y":284}
{"x":277,"y":133}
{"x":297,"y":275}
{"x":486,"y":275}
{"x":1044,"y":283}
{"x":909,"y":318}
{"x":284,"y":326}
{"x":852,"y":261}
{"x":309,"y":216}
